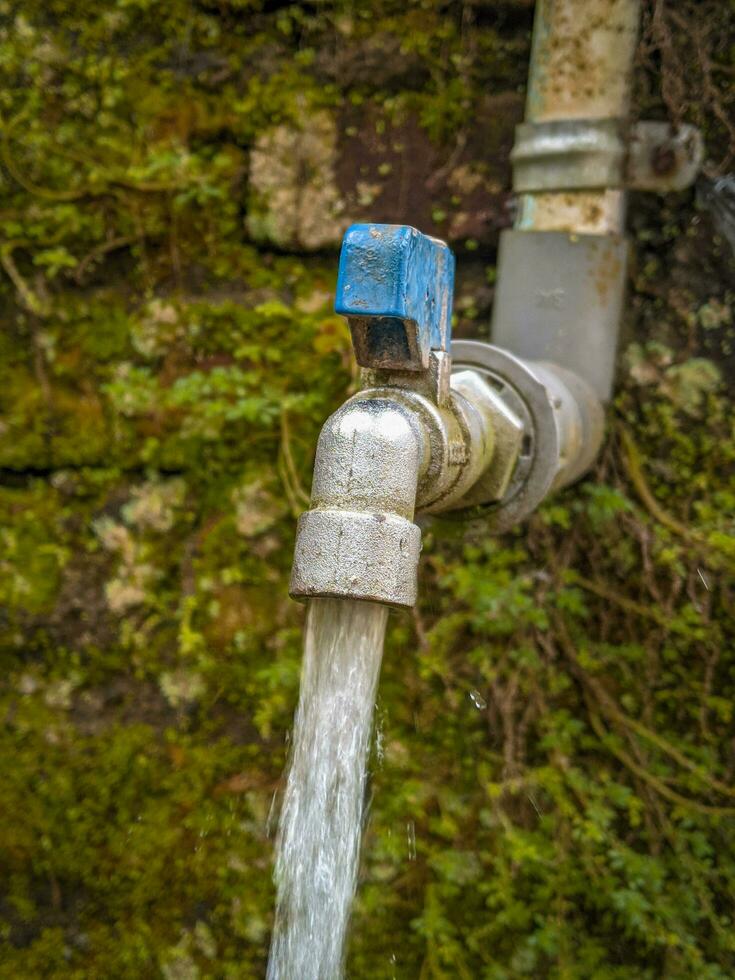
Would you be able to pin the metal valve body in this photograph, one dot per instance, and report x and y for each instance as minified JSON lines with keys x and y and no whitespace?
{"x":424,"y":436}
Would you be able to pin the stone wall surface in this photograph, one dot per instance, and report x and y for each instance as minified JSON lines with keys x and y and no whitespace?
{"x":555,"y":721}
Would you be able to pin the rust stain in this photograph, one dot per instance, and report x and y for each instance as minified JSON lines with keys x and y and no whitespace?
{"x":606,"y":274}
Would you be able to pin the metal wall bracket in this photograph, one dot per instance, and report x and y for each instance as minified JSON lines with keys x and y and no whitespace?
{"x":587,"y":154}
{"x":661,"y":158}
{"x":567,"y":154}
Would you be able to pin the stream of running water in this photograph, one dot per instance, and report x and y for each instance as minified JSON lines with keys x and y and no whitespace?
{"x":318,"y":843}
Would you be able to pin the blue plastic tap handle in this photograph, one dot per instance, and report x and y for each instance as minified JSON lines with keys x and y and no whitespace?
{"x":395,"y":286}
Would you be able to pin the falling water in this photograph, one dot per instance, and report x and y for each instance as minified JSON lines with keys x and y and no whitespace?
{"x":318,"y":845}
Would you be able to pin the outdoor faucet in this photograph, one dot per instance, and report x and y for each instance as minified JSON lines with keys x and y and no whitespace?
{"x":436,"y":427}
{"x":467,"y":426}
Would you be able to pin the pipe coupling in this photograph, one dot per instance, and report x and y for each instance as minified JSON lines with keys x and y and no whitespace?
{"x":562,"y":424}
{"x":350,"y":554}
{"x":579,"y":154}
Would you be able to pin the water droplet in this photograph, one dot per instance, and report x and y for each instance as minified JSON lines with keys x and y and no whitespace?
{"x":705,"y":580}
{"x":478,"y":700}
{"x":411,"y":836}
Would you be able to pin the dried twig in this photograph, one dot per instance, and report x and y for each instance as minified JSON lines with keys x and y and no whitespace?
{"x":606,"y":704}
{"x":629,"y":605}
{"x":298,"y":491}
{"x":632,"y":460}
{"x":33,"y":303}
{"x":661,"y":788}
{"x":97,"y":253}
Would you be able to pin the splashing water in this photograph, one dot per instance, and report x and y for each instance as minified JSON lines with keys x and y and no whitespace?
{"x":318,"y":844}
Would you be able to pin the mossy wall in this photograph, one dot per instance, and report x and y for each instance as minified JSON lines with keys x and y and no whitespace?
{"x":555,"y":726}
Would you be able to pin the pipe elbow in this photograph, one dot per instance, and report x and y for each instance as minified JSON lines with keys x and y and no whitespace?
{"x":371,"y":454}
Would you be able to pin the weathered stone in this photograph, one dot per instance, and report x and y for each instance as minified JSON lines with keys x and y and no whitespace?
{"x":307,"y":184}
{"x":294,"y":200}
{"x":392,"y":172}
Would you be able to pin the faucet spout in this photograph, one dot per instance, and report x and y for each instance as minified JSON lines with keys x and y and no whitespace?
{"x":359,"y":540}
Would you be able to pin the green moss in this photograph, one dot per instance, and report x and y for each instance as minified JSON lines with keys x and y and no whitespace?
{"x":555,"y":724}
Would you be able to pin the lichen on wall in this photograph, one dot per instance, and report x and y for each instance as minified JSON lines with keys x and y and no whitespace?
{"x":294,"y":199}
{"x":552,"y":780}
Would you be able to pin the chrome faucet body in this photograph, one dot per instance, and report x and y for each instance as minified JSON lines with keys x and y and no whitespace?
{"x":425,"y":435}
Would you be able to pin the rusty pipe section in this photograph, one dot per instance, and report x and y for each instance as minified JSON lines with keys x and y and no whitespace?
{"x":577,"y":106}
{"x":562,"y":268}
{"x":582,"y":59}
{"x":577,"y":151}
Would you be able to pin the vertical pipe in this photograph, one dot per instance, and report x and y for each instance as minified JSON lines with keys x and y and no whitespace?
{"x":582,"y":59}
{"x":581,"y":68}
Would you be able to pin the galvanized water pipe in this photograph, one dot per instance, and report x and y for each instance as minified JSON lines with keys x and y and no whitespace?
{"x":579,"y":91}
{"x":561,"y":270}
